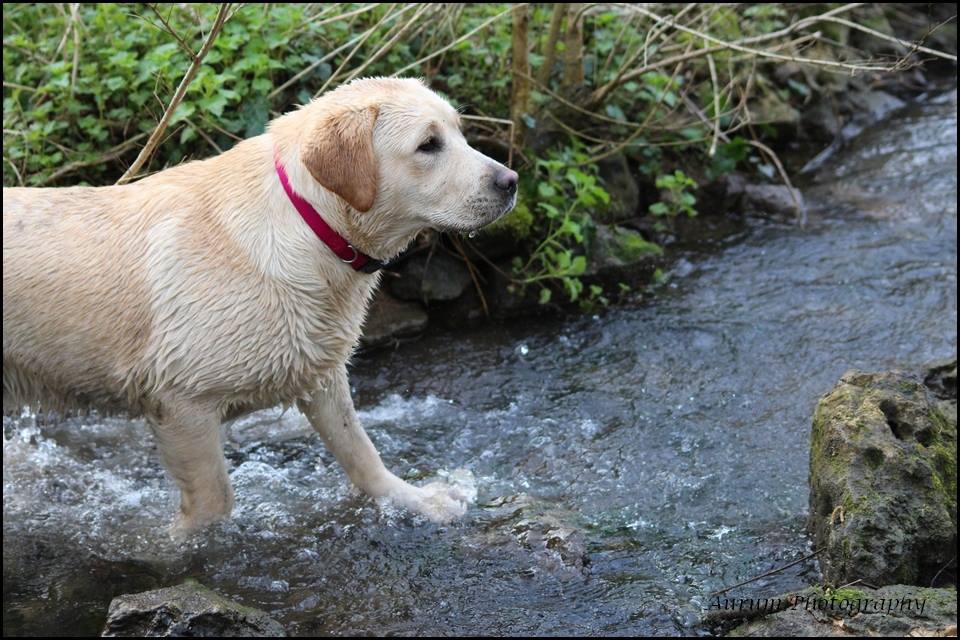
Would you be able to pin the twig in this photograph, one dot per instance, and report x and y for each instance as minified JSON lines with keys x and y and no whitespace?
{"x":646,"y":121}
{"x":716,"y":105}
{"x":473,"y":274}
{"x":613,"y":49}
{"x":768,"y":573}
{"x":75,"y":21}
{"x":369,"y":32}
{"x":169,"y":29}
{"x":66,"y":32}
{"x":379,"y":53}
{"x":313,"y":65}
{"x":909,"y":45}
{"x":942,"y":569}
{"x":343,"y":16}
{"x":15,"y":170}
{"x":204,"y":135}
{"x":465,"y":36}
{"x":214,"y":125}
{"x":550,"y":46}
{"x":578,"y":108}
{"x":26,"y":52}
{"x":761,"y":52}
{"x":111,"y":154}
{"x":600,"y":94}
{"x":154,"y":139}
{"x":22,"y":87}
{"x":801,"y":210}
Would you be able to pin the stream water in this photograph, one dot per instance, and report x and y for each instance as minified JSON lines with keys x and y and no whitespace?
{"x":627,"y":464}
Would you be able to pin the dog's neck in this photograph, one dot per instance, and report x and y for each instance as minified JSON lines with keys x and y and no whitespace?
{"x":379,"y":233}
{"x":273,"y":236}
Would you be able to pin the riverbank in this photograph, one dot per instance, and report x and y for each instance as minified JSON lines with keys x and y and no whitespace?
{"x":461,"y":282}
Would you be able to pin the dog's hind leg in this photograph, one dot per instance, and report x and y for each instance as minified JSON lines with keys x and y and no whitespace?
{"x":188,"y":436}
{"x":331,"y":413}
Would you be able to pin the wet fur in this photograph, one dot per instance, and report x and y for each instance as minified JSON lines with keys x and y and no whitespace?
{"x":198,"y":293}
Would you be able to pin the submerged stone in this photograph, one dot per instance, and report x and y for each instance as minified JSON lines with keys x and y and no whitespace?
{"x":550,"y":536}
{"x":188,"y":609}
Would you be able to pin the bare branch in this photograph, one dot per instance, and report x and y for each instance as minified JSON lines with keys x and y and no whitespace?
{"x":379,"y":53}
{"x":181,"y":91}
{"x":170,"y":30}
{"x":75,"y":21}
{"x":466,"y":36}
{"x":111,"y":154}
{"x":741,"y":46}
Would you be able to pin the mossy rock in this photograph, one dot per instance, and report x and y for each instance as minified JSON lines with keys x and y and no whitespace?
{"x":615,"y":248}
{"x":883,"y":478}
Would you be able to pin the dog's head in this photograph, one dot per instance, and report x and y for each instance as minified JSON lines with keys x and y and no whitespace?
{"x":393,"y":147}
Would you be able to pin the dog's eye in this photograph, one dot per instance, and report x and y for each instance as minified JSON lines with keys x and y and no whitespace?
{"x":431,"y":146}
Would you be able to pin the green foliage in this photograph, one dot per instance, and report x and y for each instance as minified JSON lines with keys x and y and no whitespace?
{"x":564,"y":195}
{"x":128,"y":66}
{"x":78,"y":90}
{"x":676,"y":197}
{"x":728,"y":156}
{"x":519,"y":222}
{"x":127,"y":69}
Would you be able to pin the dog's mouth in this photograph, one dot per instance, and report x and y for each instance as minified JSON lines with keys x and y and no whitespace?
{"x":480,"y":220}
{"x":499,"y":213}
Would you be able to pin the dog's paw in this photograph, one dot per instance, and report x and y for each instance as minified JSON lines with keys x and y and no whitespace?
{"x":181,"y":528}
{"x":441,"y":501}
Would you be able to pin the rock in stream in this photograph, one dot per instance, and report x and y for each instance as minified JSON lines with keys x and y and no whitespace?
{"x":188,"y":609}
{"x":883,"y":478}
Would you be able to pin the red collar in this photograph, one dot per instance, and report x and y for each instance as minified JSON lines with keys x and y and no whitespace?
{"x":337,"y":243}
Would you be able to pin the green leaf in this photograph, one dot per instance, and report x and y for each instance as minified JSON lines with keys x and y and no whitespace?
{"x":183,"y":111}
{"x":187,"y":135}
{"x":659,"y":209}
{"x":546,"y":190}
{"x":578,"y":266}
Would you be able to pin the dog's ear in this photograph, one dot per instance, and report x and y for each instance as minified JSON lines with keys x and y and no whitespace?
{"x":339,"y":155}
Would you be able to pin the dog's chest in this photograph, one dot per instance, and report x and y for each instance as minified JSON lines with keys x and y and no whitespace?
{"x":258,"y":340}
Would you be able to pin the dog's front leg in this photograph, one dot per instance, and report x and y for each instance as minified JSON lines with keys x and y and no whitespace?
{"x":188,"y":436}
{"x":331,"y":413}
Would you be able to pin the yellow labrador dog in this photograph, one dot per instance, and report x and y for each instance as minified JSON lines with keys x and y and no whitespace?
{"x":239,"y":282}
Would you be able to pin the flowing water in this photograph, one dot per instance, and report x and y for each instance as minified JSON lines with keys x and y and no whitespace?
{"x":627,"y":464}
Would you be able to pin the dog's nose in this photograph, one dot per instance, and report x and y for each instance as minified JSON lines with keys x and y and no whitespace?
{"x":506,"y":180}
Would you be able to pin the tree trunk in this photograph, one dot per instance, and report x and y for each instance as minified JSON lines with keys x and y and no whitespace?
{"x":573,"y":54}
{"x":520,"y":98}
{"x":550,"y":46}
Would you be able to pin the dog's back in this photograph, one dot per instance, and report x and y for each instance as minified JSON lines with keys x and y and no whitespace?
{"x":64,"y":308}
